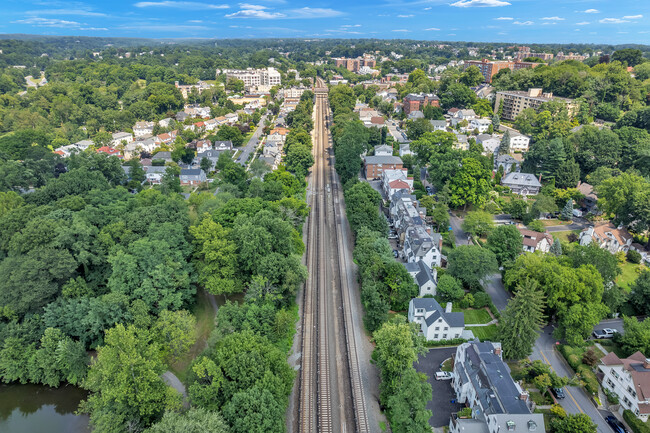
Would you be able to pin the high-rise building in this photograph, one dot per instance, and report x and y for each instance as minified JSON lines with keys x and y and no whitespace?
{"x":512,"y":103}
{"x":353,"y":65}
{"x":490,"y":68}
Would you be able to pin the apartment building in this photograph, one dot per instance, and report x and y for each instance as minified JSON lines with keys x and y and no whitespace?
{"x":417,"y":102}
{"x":525,"y":52}
{"x":629,"y":379}
{"x":254,"y":77}
{"x":354,"y":65}
{"x":490,"y":68}
{"x":515,"y":101}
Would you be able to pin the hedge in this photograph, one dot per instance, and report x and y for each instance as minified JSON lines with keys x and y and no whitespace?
{"x":635,"y":423}
{"x":573,"y":356}
{"x":452,"y":342}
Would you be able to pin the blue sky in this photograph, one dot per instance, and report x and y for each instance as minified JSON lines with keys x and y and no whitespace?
{"x":523,"y":21}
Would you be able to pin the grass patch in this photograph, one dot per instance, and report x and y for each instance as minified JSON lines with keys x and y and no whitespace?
{"x":610,"y":346}
{"x":204,"y":314}
{"x":382,"y":425}
{"x":555,"y":222}
{"x":564,"y":236}
{"x":540,"y":399}
{"x":446,"y":366}
{"x":628,"y":275}
{"x":484,"y":333}
{"x":474,"y":317}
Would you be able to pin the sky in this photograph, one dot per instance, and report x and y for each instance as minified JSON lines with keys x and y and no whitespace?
{"x":522,"y":21}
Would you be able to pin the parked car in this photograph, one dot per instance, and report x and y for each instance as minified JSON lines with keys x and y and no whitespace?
{"x":559,"y":393}
{"x":395,"y":253}
{"x":443,"y":375}
{"x":615,"y":424}
{"x":604,"y":333}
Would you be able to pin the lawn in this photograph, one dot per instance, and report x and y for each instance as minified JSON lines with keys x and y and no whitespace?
{"x":474,"y":317}
{"x":446,"y":366}
{"x":555,"y":222}
{"x":563,"y":236}
{"x":628,"y":275}
{"x":204,"y":314}
{"x":484,"y":333}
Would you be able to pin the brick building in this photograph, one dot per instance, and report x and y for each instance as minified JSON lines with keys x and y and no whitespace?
{"x":490,"y":68}
{"x":515,"y":101}
{"x":353,"y":65}
{"x":417,"y":102}
{"x":375,"y":165}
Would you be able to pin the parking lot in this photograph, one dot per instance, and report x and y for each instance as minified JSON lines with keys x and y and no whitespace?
{"x":443,"y":394}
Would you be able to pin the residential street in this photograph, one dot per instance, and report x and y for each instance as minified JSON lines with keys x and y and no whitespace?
{"x":567,"y":227}
{"x":577,"y":401}
{"x":252,"y":143}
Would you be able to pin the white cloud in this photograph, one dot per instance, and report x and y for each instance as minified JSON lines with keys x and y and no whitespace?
{"x":431,"y":29}
{"x":401,"y":31}
{"x":166,"y":28}
{"x":405,"y":16}
{"x":633,"y":17}
{"x":180,"y":5}
{"x":250,"y":6}
{"x":48,"y":22}
{"x":613,"y":21}
{"x":553,"y":19}
{"x":94,"y":28}
{"x":479,"y":3}
{"x":504,"y":19}
{"x":80,"y":12}
{"x":451,"y":34}
{"x":591,"y":11}
{"x":549,"y":24}
{"x":256,"y":13}
{"x":195,"y":21}
{"x":307,"y":12}
{"x":351,"y":25}
{"x":523,"y":23}
{"x":428,"y":9}
{"x":583,"y":23}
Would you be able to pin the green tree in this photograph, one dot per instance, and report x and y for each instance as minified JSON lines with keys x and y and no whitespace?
{"x":640,"y":293}
{"x":407,"y":409}
{"x":579,"y":423}
{"x":478,"y":223}
{"x":230,"y":133}
{"x":195,"y":420}
{"x":483,"y":108}
{"x":449,"y":288}
{"x":472,"y":77}
{"x":471,"y":264}
{"x":206,"y":165}
{"x":417,"y":128}
{"x":470,"y":184}
{"x":171,"y":181}
{"x":299,"y":159}
{"x":567,"y":210}
{"x":255,"y":410}
{"x":505,"y":242}
{"x":174,"y":333}
{"x":630,"y":56}
{"x":556,"y":248}
{"x":504,"y":146}
{"x":601,"y":259}
{"x":636,"y":336}
{"x":522,"y":321}
{"x":125,"y":384}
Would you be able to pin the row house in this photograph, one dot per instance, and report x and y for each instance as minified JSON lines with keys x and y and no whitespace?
{"x":420,"y":245}
{"x":435,"y":323}
{"x":143,"y":128}
{"x":119,"y":137}
{"x":629,"y":379}
{"x":417,"y":102}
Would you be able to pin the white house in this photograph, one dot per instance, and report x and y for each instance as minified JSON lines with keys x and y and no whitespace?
{"x":435,"y":323}
{"x":425,"y":277}
{"x":482,"y":381}
{"x":629,"y":379}
{"x":607,"y":236}
{"x":461,"y":115}
{"x":522,"y":183}
{"x":154,"y":173}
{"x":384,"y":150}
{"x":143,"y":128}
{"x":421,"y":246}
{"x":489,"y":142}
{"x":536,"y":241}
{"x":439,"y":125}
{"x":519,"y":142}
{"x":481,"y":124}
{"x":405,"y":149}
{"x":83,"y":144}
{"x":164,"y":123}
{"x":210,"y":124}
{"x":388,"y":176}
{"x":118,"y":137}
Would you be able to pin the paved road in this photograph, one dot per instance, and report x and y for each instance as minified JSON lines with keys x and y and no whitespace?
{"x":441,"y":404}
{"x":459,"y":233}
{"x":252,"y":143}
{"x":566,"y":227}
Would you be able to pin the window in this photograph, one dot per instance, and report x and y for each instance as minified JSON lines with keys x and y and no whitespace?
{"x":446,"y":328}
{"x":435,"y":335}
{"x":437,"y":328}
{"x":444,"y":336}
{"x":457,"y":335}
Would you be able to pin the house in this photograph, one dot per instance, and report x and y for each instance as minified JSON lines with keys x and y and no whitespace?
{"x":390,"y":176}
{"x":413,"y":115}
{"x":277,"y":136}
{"x":210,"y":124}
{"x":461,"y":115}
{"x":153,"y":173}
{"x":83,"y":144}
{"x":232,"y":118}
{"x":483,"y":382}
{"x":419,"y":245}
{"x":210,"y":154}
{"x":482,"y":125}
{"x":119,"y":137}
{"x":536,"y":241}
{"x":417,"y":102}
{"x":489,"y":142}
{"x":522,"y":183}
{"x":192,"y":176}
{"x":506,"y":161}
{"x":165,"y":156}
{"x":438,"y":125}
{"x":109,"y":151}
{"x":591,"y":199}
{"x":203,"y":145}
{"x":164,"y":123}
{"x":165,"y":138}
{"x":629,"y":379}
{"x":143,"y":128}
{"x":608,"y":237}
{"x":405,"y":149}
{"x":181,"y":116}
{"x":374,"y":122}
{"x":435,"y":323}
{"x":405,"y":213}
{"x":376,"y":164}
{"x":645,"y":256}
{"x":135,"y":148}
{"x":223,"y":146}
{"x":384,"y":150}
{"x":424,"y":277}
{"x":519,"y":142}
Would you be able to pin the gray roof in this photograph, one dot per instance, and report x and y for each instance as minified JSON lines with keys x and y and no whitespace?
{"x":425,"y":275}
{"x":483,"y":137}
{"x":383,"y":160}
{"x":523,"y":179}
{"x":412,"y":267}
{"x":455,"y":320}
{"x":210,"y":153}
{"x":191,"y":172}
{"x":162,"y":155}
{"x":154,"y":168}
{"x":438,"y":123}
{"x":416,"y":115}
{"x":384,"y":148}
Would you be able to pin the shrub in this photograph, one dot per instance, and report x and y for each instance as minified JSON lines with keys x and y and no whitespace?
{"x":633,"y":257}
{"x":558,"y":411}
{"x":467,"y":301}
{"x":612,"y":398}
{"x":590,"y":358}
{"x":452,"y":342}
{"x":465,"y":412}
{"x":574,"y":361}
{"x":481,"y":300}
{"x":589,"y":378}
{"x":572,"y":237}
{"x":635,"y":423}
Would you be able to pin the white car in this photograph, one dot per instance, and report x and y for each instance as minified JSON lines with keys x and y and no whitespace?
{"x":604,"y":333}
{"x":444,"y":375}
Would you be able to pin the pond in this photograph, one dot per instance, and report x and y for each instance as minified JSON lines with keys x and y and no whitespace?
{"x":35,"y":408}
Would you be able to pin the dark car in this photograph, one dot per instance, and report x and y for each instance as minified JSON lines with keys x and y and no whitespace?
{"x":559,"y":393}
{"x":615,"y":424}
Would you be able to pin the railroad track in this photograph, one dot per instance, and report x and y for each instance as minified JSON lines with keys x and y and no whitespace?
{"x":331,"y":391}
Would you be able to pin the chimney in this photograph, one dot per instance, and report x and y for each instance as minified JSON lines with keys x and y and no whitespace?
{"x":646,"y":364}
{"x":448,"y":307}
{"x":497,"y":351}
{"x":523,"y":396}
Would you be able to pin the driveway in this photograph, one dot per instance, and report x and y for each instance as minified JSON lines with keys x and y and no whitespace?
{"x":566,"y":227}
{"x":252,"y":143}
{"x":443,"y":393}
{"x":459,"y":233}
{"x":494,"y":288}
